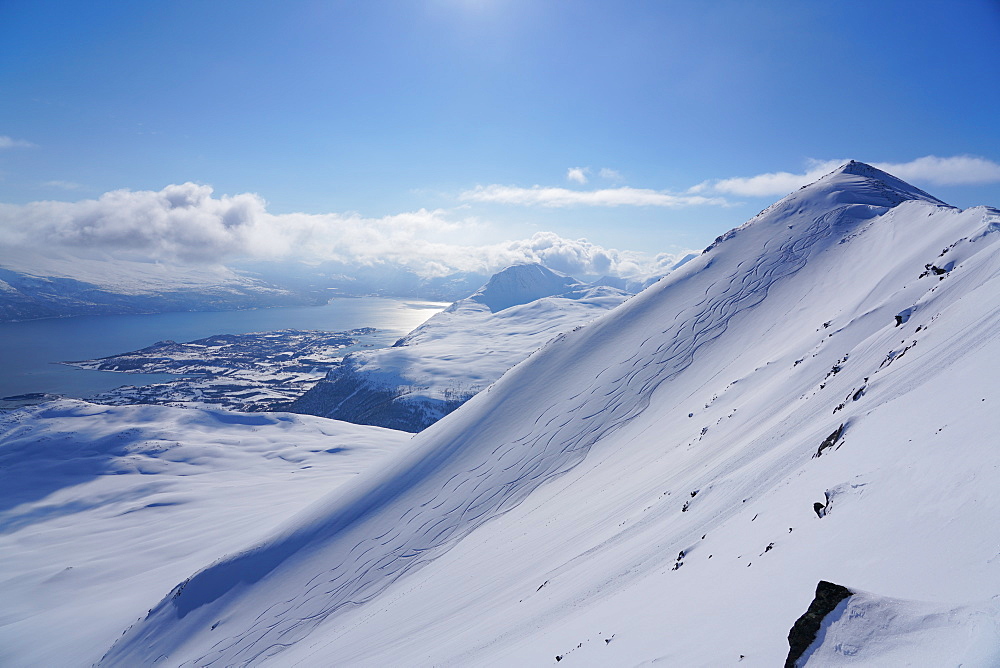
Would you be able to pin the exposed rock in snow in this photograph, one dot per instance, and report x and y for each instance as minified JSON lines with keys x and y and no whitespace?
{"x":564,"y":470}
{"x":806,"y":628}
{"x":864,"y":629}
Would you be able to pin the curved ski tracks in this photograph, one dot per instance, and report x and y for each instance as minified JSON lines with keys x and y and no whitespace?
{"x":557,"y":441}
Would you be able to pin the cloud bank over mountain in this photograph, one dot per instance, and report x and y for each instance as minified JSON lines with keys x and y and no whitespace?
{"x":189,"y":223}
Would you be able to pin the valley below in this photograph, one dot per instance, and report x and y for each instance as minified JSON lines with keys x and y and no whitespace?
{"x":249,"y":372}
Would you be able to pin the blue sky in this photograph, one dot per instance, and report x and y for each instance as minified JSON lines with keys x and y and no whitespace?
{"x":617,"y":111}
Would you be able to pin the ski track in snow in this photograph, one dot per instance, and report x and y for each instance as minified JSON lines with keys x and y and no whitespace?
{"x":559,"y":440}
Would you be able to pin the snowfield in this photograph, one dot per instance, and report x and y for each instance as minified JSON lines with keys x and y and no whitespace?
{"x":104,"y":508}
{"x":813,"y":398}
{"x":455,"y":354}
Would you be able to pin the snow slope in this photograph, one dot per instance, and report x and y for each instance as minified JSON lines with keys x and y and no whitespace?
{"x":102,"y":509}
{"x":443,"y":363}
{"x":640,"y":491}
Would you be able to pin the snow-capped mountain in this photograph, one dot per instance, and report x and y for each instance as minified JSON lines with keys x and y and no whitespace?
{"x":521,"y":284}
{"x":643,"y":489}
{"x":811,"y":399}
{"x":458,"y":352}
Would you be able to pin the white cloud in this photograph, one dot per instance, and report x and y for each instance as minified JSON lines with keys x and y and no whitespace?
{"x":577,"y":174}
{"x":566,"y":255}
{"x":773,"y":183}
{"x":182,"y":222}
{"x":610,"y":174}
{"x":563,"y":197}
{"x":956,"y":170}
{"x":189,"y":224}
{"x":10,"y":142}
{"x":930,"y":169}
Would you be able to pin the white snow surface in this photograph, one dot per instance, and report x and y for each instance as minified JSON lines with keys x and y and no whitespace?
{"x":640,"y":491}
{"x":461,"y":350}
{"x":871,"y":630}
{"x":475,"y":340}
{"x":103,"y":509}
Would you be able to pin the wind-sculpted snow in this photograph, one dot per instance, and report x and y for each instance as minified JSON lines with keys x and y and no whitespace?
{"x":871,"y":630}
{"x":480,"y":462}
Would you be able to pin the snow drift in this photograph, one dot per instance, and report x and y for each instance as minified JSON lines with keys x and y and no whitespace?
{"x":103,"y":508}
{"x":865,"y":629}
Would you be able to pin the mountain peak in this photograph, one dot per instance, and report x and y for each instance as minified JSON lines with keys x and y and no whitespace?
{"x":520,"y":284}
{"x":854,"y":191}
{"x":860,"y":183}
{"x":859,"y":168}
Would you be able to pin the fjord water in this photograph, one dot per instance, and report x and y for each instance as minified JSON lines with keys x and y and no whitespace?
{"x":29,"y":350}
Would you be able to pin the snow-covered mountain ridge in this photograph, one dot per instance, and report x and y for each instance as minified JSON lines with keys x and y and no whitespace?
{"x":659,"y":467}
{"x":521,"y":284}
{"x":811,"y":399}
{"x":455,"y":354}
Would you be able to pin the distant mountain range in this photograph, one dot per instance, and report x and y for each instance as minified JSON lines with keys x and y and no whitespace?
{"x":34,"y":286}
{"x":57,"y":284}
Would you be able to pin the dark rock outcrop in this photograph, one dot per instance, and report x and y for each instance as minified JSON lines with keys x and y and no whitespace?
{"x":830,"y":440}
{"x":804,"y":631}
